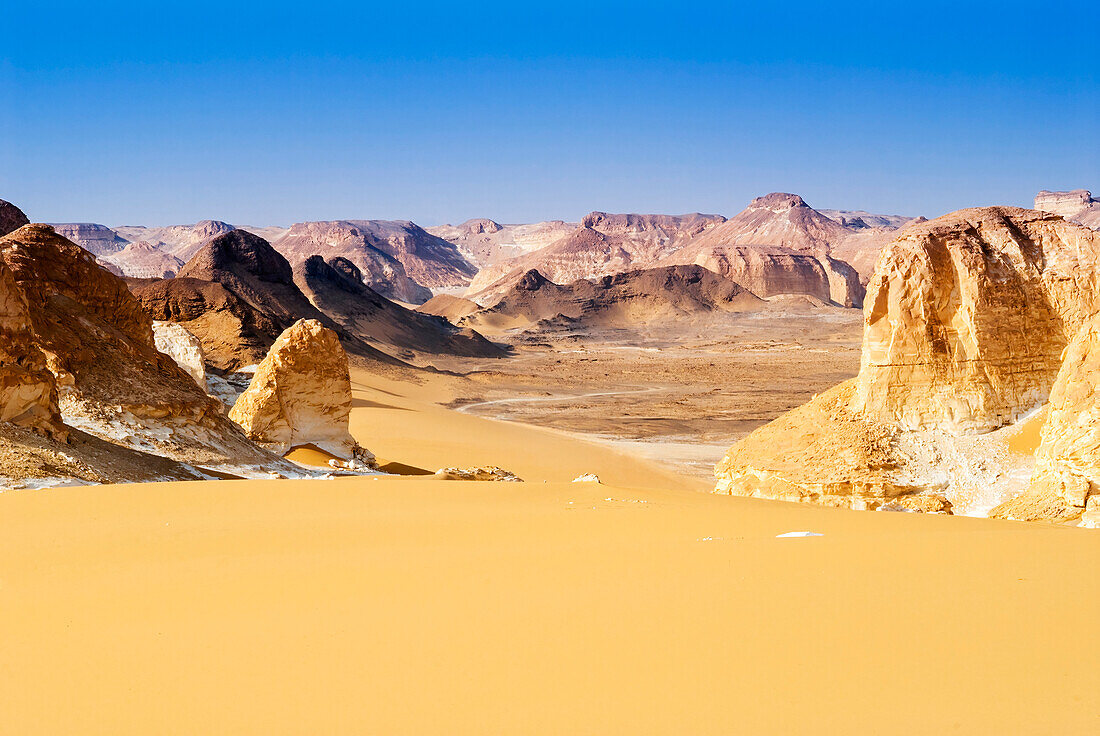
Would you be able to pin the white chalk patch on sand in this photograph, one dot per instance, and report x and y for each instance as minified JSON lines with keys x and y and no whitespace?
{"x":799,"y":534}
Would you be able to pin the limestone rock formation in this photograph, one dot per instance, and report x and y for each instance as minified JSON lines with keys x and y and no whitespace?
{"x":28,"y":392}
{"x":99,"y":240}
{"x":337,"y":289}
{"x":485,"y":473}
{"x":98,"y":344}
{"x":966,"y":320}
{"x":967,"y":316}
{"x":1078,"y":205}
{"x":398,"y":258}
{"x":301,"y":394}
{"x":1067,"y":463}
{"x":11,"y":218}
{"x":181,"y":346}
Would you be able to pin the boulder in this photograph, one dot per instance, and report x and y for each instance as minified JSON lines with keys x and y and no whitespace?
{"x":301,"y":394}
{"x":181,"y":346}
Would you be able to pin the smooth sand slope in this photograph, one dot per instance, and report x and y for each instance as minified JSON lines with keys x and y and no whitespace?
{"x":403,"y":606}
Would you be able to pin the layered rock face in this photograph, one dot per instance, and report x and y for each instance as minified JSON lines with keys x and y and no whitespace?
{"x":1067,"y":463}
{"x":301,"y":394}
{"x":398,"y":258}
{"x":28,"y":392}
{"x":604,"y":244}
{"x":99,"y":346}
{"x":1078,"y":205}
{"x":966,"y":320}
{"x":144,"y":260}
{"x":336,"y":288}
{"x":967,"y":316}
{"x":11,"y":218}
{"x":182,"y":241}
{"x":99,"y":240}
{"x":630,"y":298}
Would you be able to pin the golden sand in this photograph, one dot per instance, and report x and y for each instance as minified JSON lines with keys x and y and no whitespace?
{"x":405,"y":605}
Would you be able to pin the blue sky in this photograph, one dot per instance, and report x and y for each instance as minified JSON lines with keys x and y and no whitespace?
{"x":125,"y":113}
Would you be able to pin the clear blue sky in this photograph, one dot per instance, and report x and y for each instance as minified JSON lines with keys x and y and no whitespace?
{"x":126,"y":112}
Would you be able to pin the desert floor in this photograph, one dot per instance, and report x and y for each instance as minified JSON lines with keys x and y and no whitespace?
{"x":677,"y":393}
{"x":405,"y":605}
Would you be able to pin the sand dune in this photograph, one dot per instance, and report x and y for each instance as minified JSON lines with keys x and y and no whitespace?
{"x":424,"y":607}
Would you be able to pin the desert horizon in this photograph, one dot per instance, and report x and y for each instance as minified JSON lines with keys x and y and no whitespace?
{"x":523,"y":369}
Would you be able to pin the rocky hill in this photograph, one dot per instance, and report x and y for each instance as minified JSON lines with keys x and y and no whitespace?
{"x":144,"y":261}
{"x":237,"y":295}
{"x":398,"y":258}
{"x":623,"y":299}
{"x":966,"y":320}
{"x":486,"y":243}
{"x":603,"y":244}
{"x":98,"y":345}
{"x":1077,"y":205}
{"x":181,"y":241}
{"x":11,"y":218}
{"x":99,"y":240}
{"x":337,"y":289}
{"x":451,"y":308}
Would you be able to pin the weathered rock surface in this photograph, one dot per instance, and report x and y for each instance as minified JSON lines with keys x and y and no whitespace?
{"x":452,"y":308}
{"x":398,"y":258}
{"x":1067,"y":463}
{"x":28,"y":392}
{"x":181,"y":346}
{"x":337,"y":289}
{"x":99,"y":240}
{"x":1078,"y":205}
{"x":485,"y":473}
{"x":11,"y":218}
{"x":98,"y":344}
{"x":967,"y":316}
{"x":966,"y":320}
{"x":301,"y":394}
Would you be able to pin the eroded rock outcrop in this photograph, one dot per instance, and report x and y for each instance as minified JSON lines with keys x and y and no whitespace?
{"x":98,"y":344}
{"x":28,"y":392}
{"x":301,"y":394}
{"x":967,"y":316}
{"x":1067,"y":463}
{"x":966,"y":320}
{"x":99,"y":240}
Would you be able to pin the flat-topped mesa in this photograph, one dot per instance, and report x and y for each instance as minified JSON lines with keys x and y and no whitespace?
{"x":99,"y":240}
{"x":1066,"y":204}
{"x":301,"y":395}
{"x":11,"y":218}
{"x":967,"y":315}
